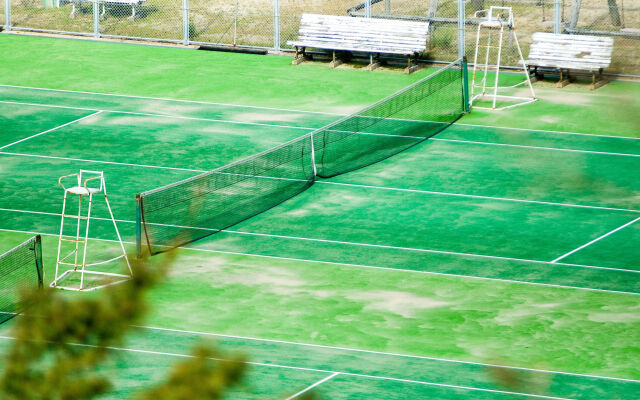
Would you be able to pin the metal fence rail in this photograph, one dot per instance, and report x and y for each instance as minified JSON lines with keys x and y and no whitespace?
{"x":269,"y":24}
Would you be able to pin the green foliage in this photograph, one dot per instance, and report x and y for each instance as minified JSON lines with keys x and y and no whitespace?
{"x":63,"y":339}
{"x":204,"y":376}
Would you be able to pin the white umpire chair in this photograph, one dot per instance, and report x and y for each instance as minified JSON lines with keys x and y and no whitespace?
{"x":85,"y":185}
{"x":496,"y":19}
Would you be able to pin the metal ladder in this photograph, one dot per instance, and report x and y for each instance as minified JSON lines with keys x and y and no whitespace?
{"x":83,"y":188}
{"x":495,"y":20}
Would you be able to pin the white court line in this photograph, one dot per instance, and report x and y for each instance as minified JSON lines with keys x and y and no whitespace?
{"x":595,"y":240}
{"x":545,"y":131}
{"x":322,"y":182}
{"x":221,"y":121}
{"x":100,"y":162}
{"x":315,"y":129}
{"x":320,"y":382}
{"x":411,"y":271}
{"x":522,"y":146}
{"x":168,"y":99}
{"x":22,"y":103}
{"x":302,"y":111}
{"x":382,"y":353}
{"x":411,"y":249}
{"x":51,"y":130}
{"x":269,"y":365}
{"x":475,"y":196}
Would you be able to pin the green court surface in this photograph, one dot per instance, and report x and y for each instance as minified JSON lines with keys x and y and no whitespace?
{"x":506,"y":244}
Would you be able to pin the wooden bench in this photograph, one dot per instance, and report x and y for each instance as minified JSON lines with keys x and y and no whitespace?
{"x":375,"y":36}
{"x":582,"y":54}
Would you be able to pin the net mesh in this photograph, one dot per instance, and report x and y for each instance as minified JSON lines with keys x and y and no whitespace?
{"x":391,"y":125}
{"x":192,"y":209}
{"x":20,"y":269}
{"x":197,"y":207}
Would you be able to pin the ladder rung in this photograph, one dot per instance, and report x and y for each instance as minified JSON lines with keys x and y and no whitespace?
{"x":73,"y":240}
{"x":66,"y":263}
{"x":75,"y":216}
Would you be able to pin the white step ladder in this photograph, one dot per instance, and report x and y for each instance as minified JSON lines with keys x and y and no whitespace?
{"x":87,"y":183}
{"x":497,"y":19}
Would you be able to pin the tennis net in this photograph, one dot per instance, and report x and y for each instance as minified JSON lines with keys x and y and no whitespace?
{"x":393,"y":124}
{"x":194,"y":208}
{"x":189,"y":210}
{"x":20,"y":269}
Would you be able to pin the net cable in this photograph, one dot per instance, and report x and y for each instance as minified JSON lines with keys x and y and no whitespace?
{"x":189,"y":210}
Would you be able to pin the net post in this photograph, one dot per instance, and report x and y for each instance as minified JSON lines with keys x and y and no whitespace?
{"x":313,"y":157}
{"x":465,"y":84}
{"x":37,"y":248}
{"x":138,"y":226}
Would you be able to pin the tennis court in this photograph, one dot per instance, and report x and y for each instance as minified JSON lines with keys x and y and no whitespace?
{"x":498,"y":246}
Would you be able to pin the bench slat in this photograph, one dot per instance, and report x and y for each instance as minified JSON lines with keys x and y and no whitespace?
{"x":361,"y":34}
{"x":580,"y":52}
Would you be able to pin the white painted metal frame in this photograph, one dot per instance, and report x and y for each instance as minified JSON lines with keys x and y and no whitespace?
{"x":84,"y":188}
{"x":495,"y":21}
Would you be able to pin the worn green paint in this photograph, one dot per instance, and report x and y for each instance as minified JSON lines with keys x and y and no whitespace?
{"x":332,"y":303}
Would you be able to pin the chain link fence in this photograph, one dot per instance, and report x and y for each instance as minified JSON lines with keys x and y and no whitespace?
{"x":270,"y":24}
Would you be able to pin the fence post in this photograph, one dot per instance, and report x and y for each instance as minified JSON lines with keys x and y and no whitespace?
{"x":461,"y":28}
{"x":185,"y":22}
{"x":7,"y":15}
{"x":276,"y":25}
{"x":96,"y":19}
{"x":557,"y":17}
{"x":575,"y":13}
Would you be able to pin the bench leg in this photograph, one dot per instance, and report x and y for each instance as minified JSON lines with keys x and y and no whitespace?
{"x":598,"y":81}
{"x":300,"y":56}
{"x":564,"y":79}
{"x":335,"y":61}
{"x":374,"y":62}
{"x":411,"y":67}
{"x":536,"y":75}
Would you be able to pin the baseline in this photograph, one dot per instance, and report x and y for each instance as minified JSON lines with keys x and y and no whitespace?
{"x":331,"y":373}
{"x":302,"y":111}
{"x":522,"y":146}
{"x":382,"y":353}
{"x":195,"y":249}
{"x":380,"y":246}
{"x":325,"y":182}
{"x":312,"y":129}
